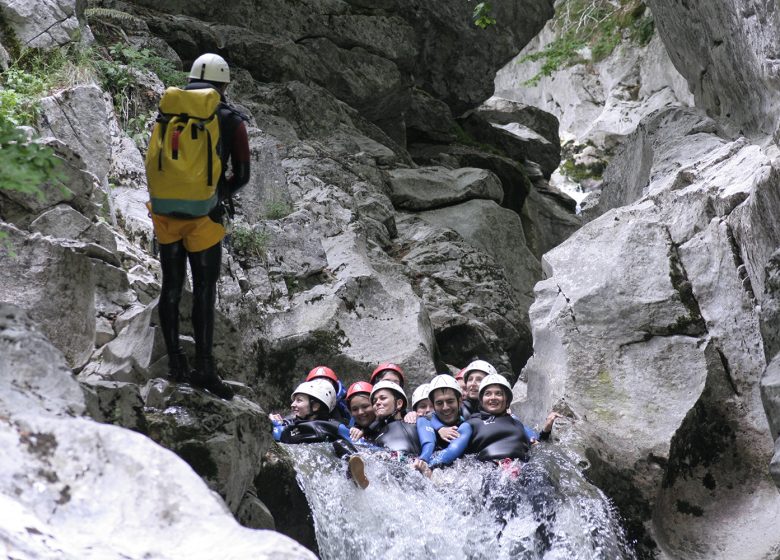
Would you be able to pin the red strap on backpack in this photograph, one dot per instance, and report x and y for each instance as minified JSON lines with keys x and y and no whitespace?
{"x":175,"y":143}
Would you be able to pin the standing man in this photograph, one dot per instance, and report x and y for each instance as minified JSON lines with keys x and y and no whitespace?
{"x":192,"y":229}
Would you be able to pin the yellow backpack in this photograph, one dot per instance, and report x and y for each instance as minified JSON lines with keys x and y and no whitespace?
{"x":183,"y":164}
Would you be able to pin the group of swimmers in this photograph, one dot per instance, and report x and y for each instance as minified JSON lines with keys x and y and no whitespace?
{"x":447,"y":417}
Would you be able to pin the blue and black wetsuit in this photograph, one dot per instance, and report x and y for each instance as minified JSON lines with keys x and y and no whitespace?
{"x":397,"y":435}
{"x":452,"y":449}
{"x":497,"y":437}
{"x":310,"y":431}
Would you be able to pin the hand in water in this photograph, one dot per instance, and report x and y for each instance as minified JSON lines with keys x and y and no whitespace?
{"x":355,"y":433}
{"x":448,"y":433}
{"x":548,"y":424}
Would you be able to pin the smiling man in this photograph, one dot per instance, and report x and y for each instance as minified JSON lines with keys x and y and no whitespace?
{"x":452,"y":433}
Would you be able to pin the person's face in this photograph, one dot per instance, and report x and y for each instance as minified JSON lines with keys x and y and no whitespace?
{"x":447,"y":406}
{"x":361,"y":410}
{"x":494,"y":400}
{"x":423,"y":407}
{"x":301,"y":406}
{"x":390,"y":375}
{"x":385,"y":403}
{"x":472,"y":384}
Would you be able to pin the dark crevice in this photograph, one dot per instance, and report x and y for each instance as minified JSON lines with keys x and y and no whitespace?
{"x":727,"y":368}
{"x":739,"y":263}
{"x":569,"y":307}
{"x":693,"y":324}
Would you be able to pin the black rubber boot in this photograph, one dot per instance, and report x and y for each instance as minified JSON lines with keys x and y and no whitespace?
{"x":205,"y":376}
{"x":178,"y":368}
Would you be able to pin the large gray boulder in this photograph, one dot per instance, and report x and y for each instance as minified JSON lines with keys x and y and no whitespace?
{"x":143,"y":501}
{"x":426,"y":188}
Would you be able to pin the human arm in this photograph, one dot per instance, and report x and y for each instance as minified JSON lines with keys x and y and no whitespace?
{"x":447,"y":433}
{"x":355,"y":433}
{"x":427,"y":438}
{"x":239,"y":161}
{"x":455,"y":449}
{"x":544,"y":435}
{"x":411,"y":417}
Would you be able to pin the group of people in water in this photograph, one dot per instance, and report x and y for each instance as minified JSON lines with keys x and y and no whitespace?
{"x":446,"y":418}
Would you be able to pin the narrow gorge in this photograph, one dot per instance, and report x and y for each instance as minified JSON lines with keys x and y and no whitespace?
{"x":412,"y":199}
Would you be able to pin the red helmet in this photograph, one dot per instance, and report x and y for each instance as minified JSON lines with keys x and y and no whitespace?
{"x":357,"y":388}
{"x":387,"y":366}
{"x":323,"y":372}
{"x":459,"y":375}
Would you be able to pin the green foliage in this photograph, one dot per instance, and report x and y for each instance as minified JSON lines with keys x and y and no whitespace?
{"x":482,"y":15}
{"x":24,"y":166}
{"x":248,"y":242}
{"x":277,"y":209}
{"x":463,"y":137}
{"x":579,"y":173}
{"x":600,"y":25}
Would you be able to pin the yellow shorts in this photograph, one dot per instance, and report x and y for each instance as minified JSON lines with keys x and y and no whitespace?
{"x":198,"y":234}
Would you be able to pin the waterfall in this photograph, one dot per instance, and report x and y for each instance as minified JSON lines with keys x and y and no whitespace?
{"x":470,"y":510}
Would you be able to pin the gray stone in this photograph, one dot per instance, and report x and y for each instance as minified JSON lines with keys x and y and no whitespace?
{"x":501,"y":111}
{"x":104,"y":331}
{"x":434,"y":187}
{"x":546,"y":222}
{"x":56,"y":288}
{"x":116,"y":403}
{"x":61,"y":221}
{"x":44,"y":24}
{"x":221,"y":440}
{"x":704,"y":43}
{"x":428,"y":119}
{"x":499,"y":233}
{"x":33,"y":373}
{"x":595,"y":102}
{"x":79,"y":118}
{"x":514,"y":140}
{"x":473,"y":308}
{"x":254,"y":514}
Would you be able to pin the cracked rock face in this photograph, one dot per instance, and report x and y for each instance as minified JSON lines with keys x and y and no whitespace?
{"x":647,"y":329}
{"x":727,"y":51}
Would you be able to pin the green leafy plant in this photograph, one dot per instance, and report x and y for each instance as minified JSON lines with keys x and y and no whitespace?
{"x":24,"y":166}
{"x":482,"y":15}
{"x":249,"y":242}
{"x":277,"y":209}
{"x":600,"y":25}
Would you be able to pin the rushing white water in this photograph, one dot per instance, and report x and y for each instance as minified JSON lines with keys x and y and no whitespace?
{"x":471,"y":510}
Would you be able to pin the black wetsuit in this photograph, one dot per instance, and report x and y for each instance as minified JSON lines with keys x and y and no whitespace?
{"x":312,"y":431}
{"x":395,"y":435}
{"x":497,"y":437}
{"x":468,"y":407}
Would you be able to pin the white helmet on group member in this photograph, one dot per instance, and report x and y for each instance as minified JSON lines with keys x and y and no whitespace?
{"x":210,"y":67}
{"x":395,"y":387}
{"x":321,"y":390}
{"x":496,"y":379}
{"x":443,"y":381}
{"x":478,"y":365}
{"x":420,"y":394}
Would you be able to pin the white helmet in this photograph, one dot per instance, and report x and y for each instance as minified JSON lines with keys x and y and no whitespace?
{"x":443,"y":381}
{"x":478,"y":365}
{"x":322,"y":390}
{"x":211,"y":68}
{"x":395,"y":387}
{"x":420,"y":394}
{"x":495,"y":379}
